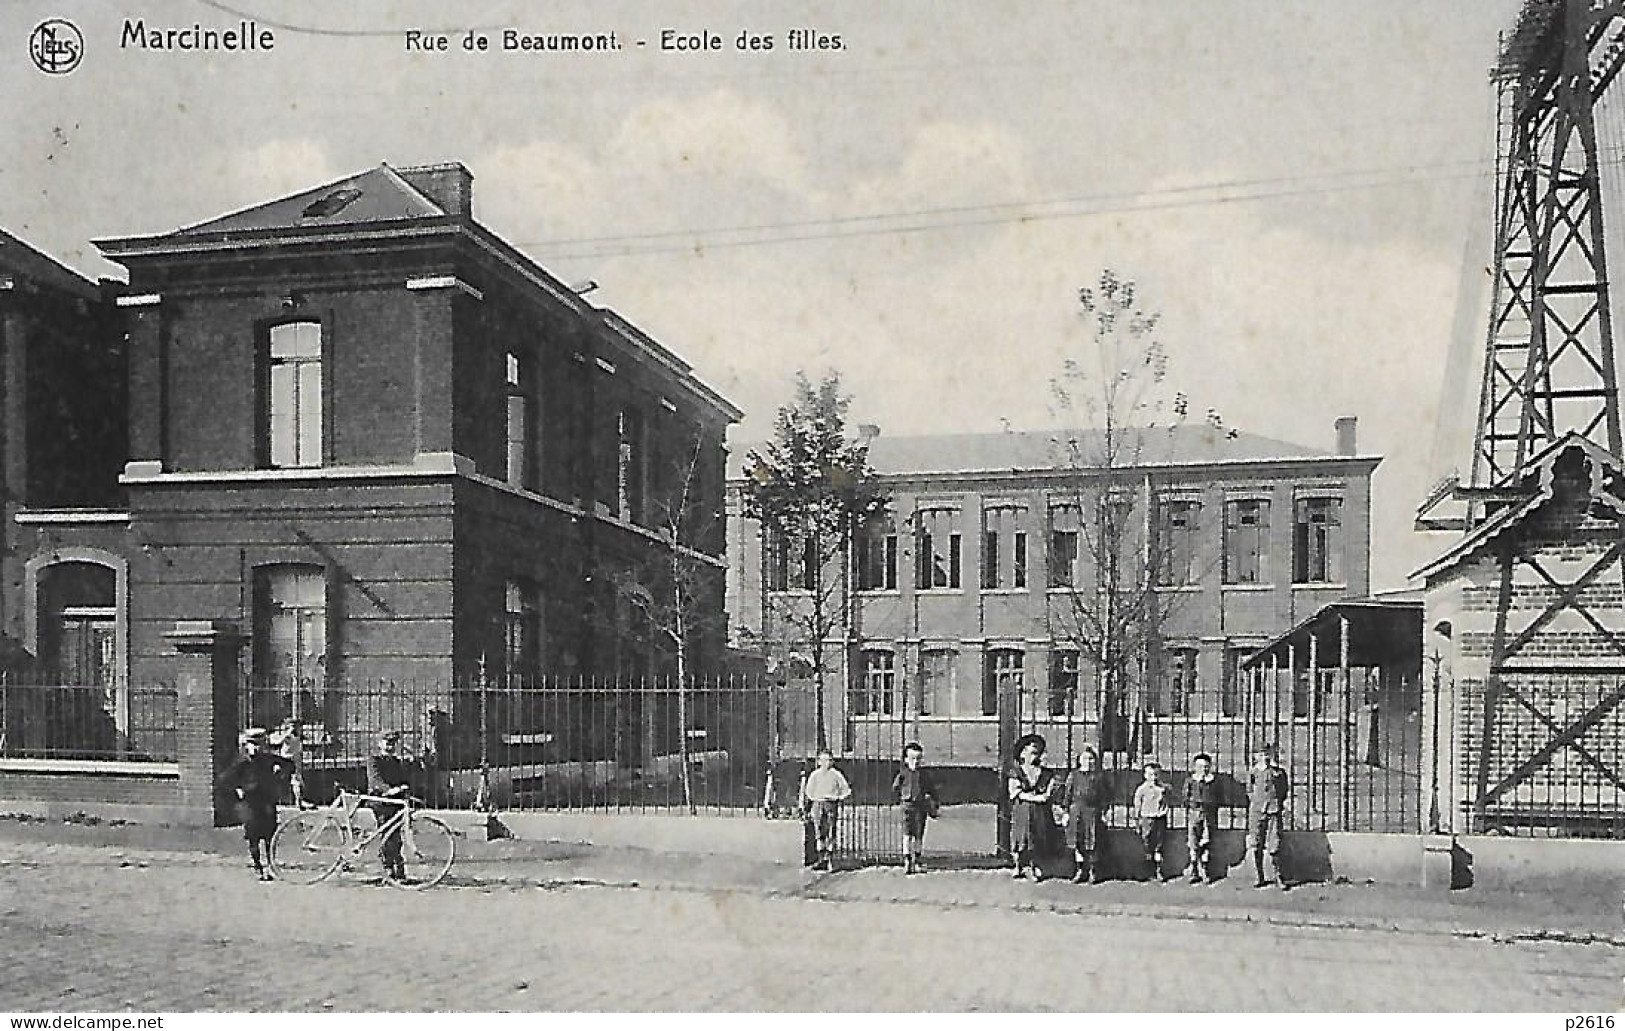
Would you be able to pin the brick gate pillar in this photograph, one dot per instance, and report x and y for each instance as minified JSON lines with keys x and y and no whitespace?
{"x":206,"y":710}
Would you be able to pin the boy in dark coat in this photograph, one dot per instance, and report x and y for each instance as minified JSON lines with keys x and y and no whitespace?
{"x":389,"y":775}
{"x":1201,"y":816}
{"x":256,"y":780}
{"x":917,"y":799}
{"x":1267,"y":790}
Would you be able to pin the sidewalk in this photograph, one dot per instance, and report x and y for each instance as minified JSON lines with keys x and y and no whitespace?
{"x":1589,"y":914}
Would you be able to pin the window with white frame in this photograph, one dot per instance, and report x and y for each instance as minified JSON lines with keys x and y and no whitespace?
{"x":629,"y":465}
{"x":1246,"y":541}
{"x":1174,"y":693}
{"x":522,"y":629}
{"x":520,"y":421}
{"x":1004,"y":674}
{"x":293,"y":396}
{"x":1177,"y":535}
{"x":790,"y":562}
{"x":1317,"y":540}
{"x":1004,"y":547}
{"x":1066,"y":527}
{"x":937,"y":682}
{"x":877,"y":554}
{"x":876,"y":694}
{"x":1232,"y":691}
{"x":1065,"y":684}
{"x":936,"y":550}
{"x":291,"y":646}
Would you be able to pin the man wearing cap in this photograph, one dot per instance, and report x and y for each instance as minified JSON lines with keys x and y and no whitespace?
{"x":255,"y":781}
{"x":389,"y":775}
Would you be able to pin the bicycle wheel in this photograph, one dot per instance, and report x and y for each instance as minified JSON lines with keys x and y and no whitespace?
{"x":309,"y":847}
{"x":427,"y":849}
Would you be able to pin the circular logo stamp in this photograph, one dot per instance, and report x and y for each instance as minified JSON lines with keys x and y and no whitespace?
{"x":57,"y":46}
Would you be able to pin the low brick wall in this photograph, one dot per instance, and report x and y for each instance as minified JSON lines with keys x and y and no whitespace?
{"x":153,"y":797}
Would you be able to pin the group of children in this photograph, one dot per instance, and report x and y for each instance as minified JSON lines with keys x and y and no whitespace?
{"x":1041,"y":802}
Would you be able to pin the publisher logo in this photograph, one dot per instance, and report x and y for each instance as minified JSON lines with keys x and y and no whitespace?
{"x":56,"y":46}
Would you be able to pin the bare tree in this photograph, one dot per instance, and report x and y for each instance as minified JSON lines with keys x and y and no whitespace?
{"x":1116,"y":392}
{"x":809,"y":488}
{"x":677,"y":595}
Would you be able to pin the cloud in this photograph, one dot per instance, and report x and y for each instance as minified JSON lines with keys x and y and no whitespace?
{"x":721,"y":139}
{"x":276,"y":168}
{"x":542,"y":190}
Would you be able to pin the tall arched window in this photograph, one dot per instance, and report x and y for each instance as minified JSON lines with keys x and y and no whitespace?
{"x":290,"y":644}
{"x":293,"y":396}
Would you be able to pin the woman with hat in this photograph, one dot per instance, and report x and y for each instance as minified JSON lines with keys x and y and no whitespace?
{"x":1031,"y":787}
{"x":255,"y":781}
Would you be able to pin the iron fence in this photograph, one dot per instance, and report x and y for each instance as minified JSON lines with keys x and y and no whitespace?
{"x":1541,"y":755}
{"x":43,"y":720}
{"x":1352,"y":751}
{"x":544,"y":743}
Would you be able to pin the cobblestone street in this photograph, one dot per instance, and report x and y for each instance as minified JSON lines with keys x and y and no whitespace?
{"x":90,"y":929}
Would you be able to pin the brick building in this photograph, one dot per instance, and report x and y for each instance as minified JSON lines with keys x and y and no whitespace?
{"x":968,"y":589}
{"x":370,"y":436}
{"x":1540,"y":745}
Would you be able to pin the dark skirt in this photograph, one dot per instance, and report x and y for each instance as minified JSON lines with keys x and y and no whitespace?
{"x":1032,"y":827}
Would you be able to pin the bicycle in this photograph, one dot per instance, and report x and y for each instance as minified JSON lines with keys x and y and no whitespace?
{"x":315,"y":844}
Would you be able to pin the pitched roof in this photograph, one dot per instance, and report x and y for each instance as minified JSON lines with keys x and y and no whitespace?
{"x":23,"y":261}
{"x":376,"y":195}
{"x":963,"y":453}
{"x":1539,"y":480}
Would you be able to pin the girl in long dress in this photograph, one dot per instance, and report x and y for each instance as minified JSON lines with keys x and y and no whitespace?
{"x":1032,"y":788}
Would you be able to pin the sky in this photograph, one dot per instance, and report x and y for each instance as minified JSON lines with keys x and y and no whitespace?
{"x":1301,"y":187}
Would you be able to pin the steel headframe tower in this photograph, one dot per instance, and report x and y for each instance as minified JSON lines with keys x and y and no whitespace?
{"x":1549,"y":366}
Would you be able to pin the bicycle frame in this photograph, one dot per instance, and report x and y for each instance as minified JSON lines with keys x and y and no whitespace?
{"x":351,"y":801}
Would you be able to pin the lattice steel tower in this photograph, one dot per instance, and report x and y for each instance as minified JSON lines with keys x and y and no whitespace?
{"x":1549,"y":366}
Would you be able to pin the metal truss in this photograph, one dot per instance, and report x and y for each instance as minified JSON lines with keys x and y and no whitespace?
{"x":1549,"y":364}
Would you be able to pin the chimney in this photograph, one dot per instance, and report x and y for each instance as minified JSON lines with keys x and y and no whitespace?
{"x":449,"y":185}
{"x":1346,"y":427}
{"x":867,"y":432}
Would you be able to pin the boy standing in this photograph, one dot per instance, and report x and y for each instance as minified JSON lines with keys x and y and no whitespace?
{"x":389,"y":775}
{"x":255,"y":780}
{"x":917,"y":800}
{"x":821,"y":795}
{"x":1202,"y":808}
{"x":290,"y":742}
{"x":1267,"y":789}
{"x":1151,"y":808}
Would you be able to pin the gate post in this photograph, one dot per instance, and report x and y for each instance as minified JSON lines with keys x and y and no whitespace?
{"x":1009,"y":701}
{"x":207,"y":710}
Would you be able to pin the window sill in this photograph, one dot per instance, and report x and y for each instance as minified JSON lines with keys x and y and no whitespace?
{"x":1317,"y":585}
{"x":97,"y":767}
{"x":1179,"y":588}
{"x":940,"y":592}
{"x":1007,"y":590}
{"x":1248,"y":587}
{"x":878,"y":592}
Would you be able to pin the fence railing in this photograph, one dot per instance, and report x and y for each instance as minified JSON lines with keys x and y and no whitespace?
{"x":87,"y":722}
{"x":1543,"y":756}
{"x":544,"y":743}
{"x":1556,"y":746}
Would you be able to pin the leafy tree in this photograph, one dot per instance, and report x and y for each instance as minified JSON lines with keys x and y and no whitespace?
{"x":809,"y":488}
